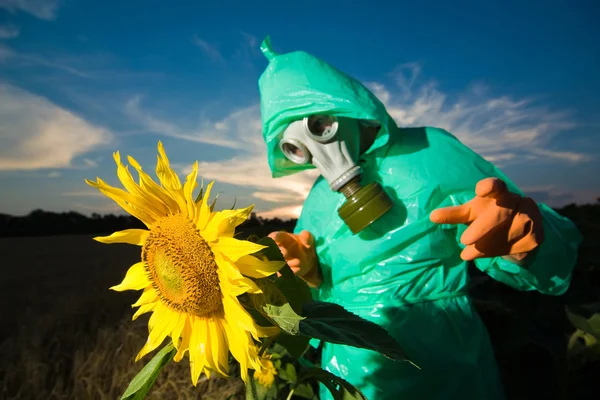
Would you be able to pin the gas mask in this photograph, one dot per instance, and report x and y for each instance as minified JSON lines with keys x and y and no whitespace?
{"x":332,"y":145}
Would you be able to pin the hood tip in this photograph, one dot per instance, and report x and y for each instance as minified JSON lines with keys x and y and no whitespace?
{"x":267,"y":48}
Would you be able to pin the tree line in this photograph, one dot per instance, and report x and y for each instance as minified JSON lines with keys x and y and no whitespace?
{"x":47,"y":223}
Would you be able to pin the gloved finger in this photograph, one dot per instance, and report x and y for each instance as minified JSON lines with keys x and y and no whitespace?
{"x":491,"y":188}
{"x":285,"y":253}
{"x":283,"y":239}
{"x":307,"y":238}
{"x":452,"y":215}
{"x":471,"y":252}
{"x":294,"y":265}
{"x":524,"y":245}
{"x":484,"y":224}
{"x":521,"y":226}
{"x":280,"y":239}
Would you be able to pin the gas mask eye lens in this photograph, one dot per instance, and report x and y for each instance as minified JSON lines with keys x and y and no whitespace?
{"x":295,"y":151}
{"x":321,"y":127}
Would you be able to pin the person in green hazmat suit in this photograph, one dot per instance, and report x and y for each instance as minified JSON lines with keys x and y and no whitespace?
{"x":390,"y":225}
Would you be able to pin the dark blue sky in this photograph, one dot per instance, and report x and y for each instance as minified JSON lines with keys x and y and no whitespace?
{"x":517,"y":82}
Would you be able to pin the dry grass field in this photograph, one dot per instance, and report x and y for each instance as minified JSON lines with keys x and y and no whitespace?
{"x":64,"y":335}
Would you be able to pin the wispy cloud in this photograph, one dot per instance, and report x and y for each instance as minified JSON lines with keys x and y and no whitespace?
{"x":497,"y":127}
{"x":9,"y":31}
{"x":224,"y":133}
{"x":251,"y":172}
{"x":247,"y":51}
{"x":37,"y":133}
{"x":288,"y":212}
{"x":42,"y":9}
{"x":502,"y":129}
{"x":553,"y":195}
{"x":250,"y":41}
{"x":209,"y":49}
{"x":54,"y":174}
{"x":90,"y":163}
{"x":40,"y":60}
{"x":27,"y":60}
{"x":240,"y":130}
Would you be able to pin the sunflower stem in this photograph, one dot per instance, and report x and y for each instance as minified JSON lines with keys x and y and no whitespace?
{"x":253,"y":391}
{"x":289,"y":397}
{"x":266,"y":345}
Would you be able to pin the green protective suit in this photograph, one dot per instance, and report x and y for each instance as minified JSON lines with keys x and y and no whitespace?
{"x":403,"y":272}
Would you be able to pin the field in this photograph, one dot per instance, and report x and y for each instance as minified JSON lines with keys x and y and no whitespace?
{"x":64,"y":335}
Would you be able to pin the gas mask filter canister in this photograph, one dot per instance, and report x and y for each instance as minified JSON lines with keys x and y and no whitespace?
{"x":333,"y":145}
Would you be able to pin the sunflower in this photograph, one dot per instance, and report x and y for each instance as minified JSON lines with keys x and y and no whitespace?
{"x":266,"y":374}
{"x":192,"y":269}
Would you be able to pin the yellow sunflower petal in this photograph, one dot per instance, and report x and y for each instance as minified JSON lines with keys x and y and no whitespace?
{"x":143,"y":310}
{"x":266,"y":374}
{"x":155,"y":208}
{"x":165,"y":322}
{"x":136,"y":165}
{"x":223,"y":223}
{"x":125,"y":200}
{"x":135,"y":279}
{"x":267,"y":331}
{"x":148,"y":296}
{"x":186,"y":335}
{"x":130,"y":236}
{"x":239,"y":316}
{"x":203,"y":213}
{"x":232,"y":281}
{"x":229,"y":287}
{"x":239,"y":345}
{"x":178,"y":329}
{"x":160,"y":325}
{"x":209,"y":347}
{"x":154,"y":188}
{"x":234,"y":248}
{"x":169,"y":178}
{"x":228,"y":267}
{"x":218,"y":346}
{"x":197,"y":350}
{"x":191,"y":181}
{"x":255,"y":268}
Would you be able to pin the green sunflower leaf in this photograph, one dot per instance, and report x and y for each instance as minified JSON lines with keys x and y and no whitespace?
{"x":293,"y":288}
{"x":295,"y":345}
{"x":340,"y":388}
{"x":288,"y":373}
{"x":333,"y":323}
{"x":284,"y":316}
{"x":143,"y":381}
{"x":272,"y":251}
{"x":256,"y":391}
{"x":305,"y":391}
